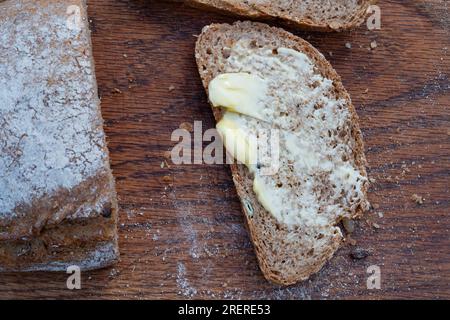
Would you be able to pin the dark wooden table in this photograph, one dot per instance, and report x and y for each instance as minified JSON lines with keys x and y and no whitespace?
{"x":181,"y":228}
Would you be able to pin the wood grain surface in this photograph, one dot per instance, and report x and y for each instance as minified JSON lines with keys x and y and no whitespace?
{"x":182,"y":233}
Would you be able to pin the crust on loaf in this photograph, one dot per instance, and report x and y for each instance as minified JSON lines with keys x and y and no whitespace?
{"x":279,"y":262}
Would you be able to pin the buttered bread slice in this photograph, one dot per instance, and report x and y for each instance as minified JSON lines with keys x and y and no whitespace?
{"x":264,"y":81}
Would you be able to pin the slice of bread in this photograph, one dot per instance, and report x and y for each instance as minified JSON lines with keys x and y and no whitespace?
{"x":320,"y":15}
{"x":58,"y":204}
{"x":321,"y":178}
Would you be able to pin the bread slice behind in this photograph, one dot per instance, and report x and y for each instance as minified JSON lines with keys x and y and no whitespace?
{"x":317,"y":15}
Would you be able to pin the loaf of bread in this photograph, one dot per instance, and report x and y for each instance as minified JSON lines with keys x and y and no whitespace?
{"x":320,"y":15}
{"x":57,"y":195}
{"x":293,"y":214}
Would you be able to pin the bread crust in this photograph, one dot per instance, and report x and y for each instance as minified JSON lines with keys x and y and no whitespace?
{"x":242,"y":177}
{"x":267,"y":13}
{"x":58,"y":202}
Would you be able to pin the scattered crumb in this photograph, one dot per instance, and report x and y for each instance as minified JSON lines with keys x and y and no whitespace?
{"x":186,"y":126}
{"x":114,"y":273}
{"x":162,"y":164}
{"x":380,"y":214}
{"x":348,"y":45}
{"x":376,"y":206}
{"x":171,"y":88}
{"x":350,"y":240}
{"x":376,"y":225}
{"x":167,"y":179}
{"x":125,"y":55}
{"x":167,"y":154}
{"x":359,"y":253}
{"x":373,"y":44}
{"x":116,"y":90}
{"x":417,"y":199}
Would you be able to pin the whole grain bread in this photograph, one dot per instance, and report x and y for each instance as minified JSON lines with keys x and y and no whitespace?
{"x":58,"y":202}
{"x":291,"y":253}
{"x":320,"y":15}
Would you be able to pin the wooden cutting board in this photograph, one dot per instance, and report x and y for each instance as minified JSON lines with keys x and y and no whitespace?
{"x":181,"y":230}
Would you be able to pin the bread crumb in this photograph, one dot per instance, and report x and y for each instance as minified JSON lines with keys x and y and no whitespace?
{"x":116,"y":90}
{"x":417,"y":199}
{"x":350,"y":240}
{"x":376,"y":225}
{"x":162,"y":165}
{"x":348,"y":45}
{"x":334,"y":25}
{"x":171,"y":88}
{"x":186,"y":126}
{"x":113,"y":273}
{"x":125,"y":55}
{"x":373,"y":44}
{"x":359,"y":253}
{"x":167,"y":154}
{"x":166,"y":179}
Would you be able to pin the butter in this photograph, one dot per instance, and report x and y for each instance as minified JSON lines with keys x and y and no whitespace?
{"x":308,"y":156}
{"x":266,"y":197}
{"x":239,"y":92}
{"x":271,"y":198}
{"x":241,"y":145}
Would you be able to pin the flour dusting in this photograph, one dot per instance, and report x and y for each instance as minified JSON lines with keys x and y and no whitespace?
{"x":51,"y":135}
